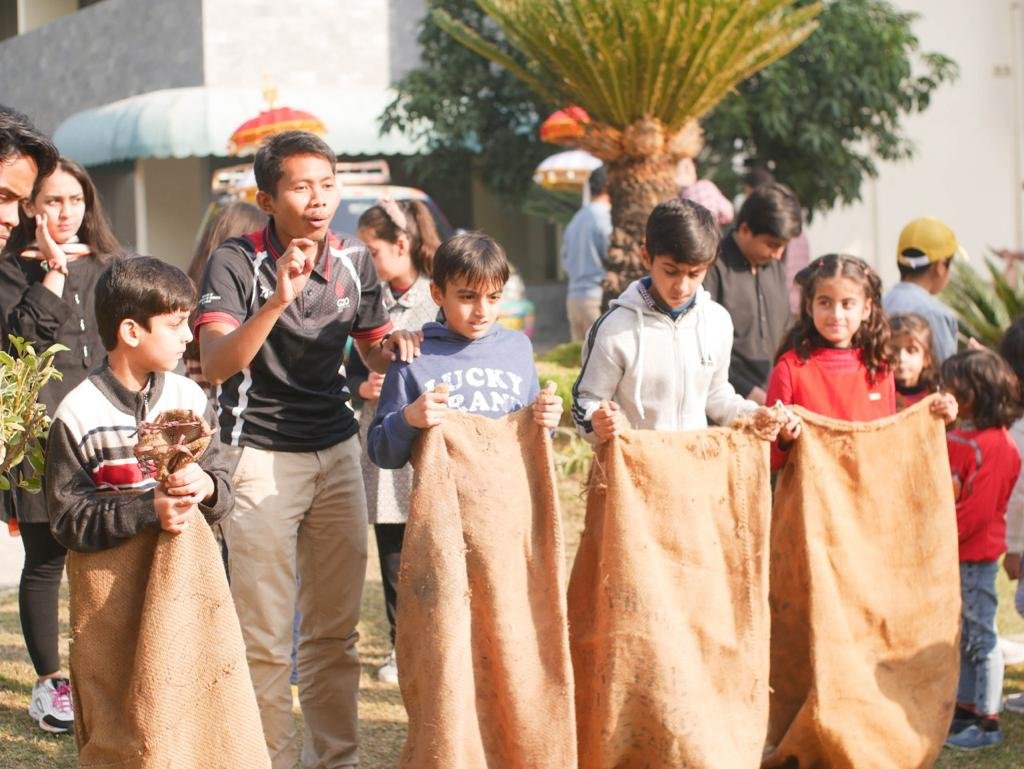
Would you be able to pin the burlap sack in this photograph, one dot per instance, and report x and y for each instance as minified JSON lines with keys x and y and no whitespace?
{"x":157,"y":659}
{"x":668,"y":603}
{"x":865,"y":595}
{"x":483,"y":651}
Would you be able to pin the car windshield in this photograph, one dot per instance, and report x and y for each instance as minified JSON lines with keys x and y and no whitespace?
{"x":346,"y":218}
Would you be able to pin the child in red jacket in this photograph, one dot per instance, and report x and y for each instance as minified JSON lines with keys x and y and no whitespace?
{"x":985,"y":464}
{"x":917,"y":375}
{"x":836,"y":359}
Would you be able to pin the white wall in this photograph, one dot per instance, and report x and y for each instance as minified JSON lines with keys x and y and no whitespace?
{"x":965,"y":171}
{"x":330,"y":43}
{"x":171,"y":200}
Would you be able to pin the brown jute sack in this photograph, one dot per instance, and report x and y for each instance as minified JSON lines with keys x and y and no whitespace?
{"x":865,"y":596}
{"x":668,"y":603}
{"x":157,"y":659}
{"x":483,"y":651}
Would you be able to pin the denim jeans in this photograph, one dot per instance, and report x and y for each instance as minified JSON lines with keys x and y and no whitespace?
{"x":981,"y":661}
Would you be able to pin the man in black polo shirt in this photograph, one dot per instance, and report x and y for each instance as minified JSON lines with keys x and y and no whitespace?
{"x":276,"y":310}
{"x":749,"y":280}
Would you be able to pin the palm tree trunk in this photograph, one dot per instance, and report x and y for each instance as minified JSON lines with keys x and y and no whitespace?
{"x":641,"y":162}
{"x":636,"y":186}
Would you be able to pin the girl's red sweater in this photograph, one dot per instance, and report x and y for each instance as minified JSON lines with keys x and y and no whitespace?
{"x":985,"y":465}
{"x":833,"y":382}
{"x":907,"y":398}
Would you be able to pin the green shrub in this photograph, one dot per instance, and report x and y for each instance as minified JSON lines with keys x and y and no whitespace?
{"x":564,"y":378}
{"x":561,"y":365}
{"x":23,"y":420}
{"x":566,"y":355}
{"x":985,"y":305}
{"x":573,"y":455}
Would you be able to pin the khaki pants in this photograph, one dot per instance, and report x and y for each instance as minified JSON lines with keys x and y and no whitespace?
{"x":582,"y":314}
{"x":304,"y":509}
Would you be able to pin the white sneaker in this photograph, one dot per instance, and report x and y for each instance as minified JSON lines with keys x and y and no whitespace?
{"x":51,"y":706}
{"x":1014,"y":703}
{"x":388,"y":672}
{"x":1013,"y":651}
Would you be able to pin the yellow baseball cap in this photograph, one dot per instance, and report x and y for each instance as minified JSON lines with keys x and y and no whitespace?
{"x":930,"y":237}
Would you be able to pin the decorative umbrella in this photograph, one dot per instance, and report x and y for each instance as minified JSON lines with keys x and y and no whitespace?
{"x":273,"y":120}
{"x":564,"y":127}
{"x":566,"y":171}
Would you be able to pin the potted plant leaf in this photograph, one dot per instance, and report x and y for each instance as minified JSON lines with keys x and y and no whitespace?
{"x":23,"y":419}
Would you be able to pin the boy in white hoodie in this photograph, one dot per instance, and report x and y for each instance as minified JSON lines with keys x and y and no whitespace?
{"x":659,"y":358}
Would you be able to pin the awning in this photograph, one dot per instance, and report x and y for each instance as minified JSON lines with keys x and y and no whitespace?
{"x":187,"y":122}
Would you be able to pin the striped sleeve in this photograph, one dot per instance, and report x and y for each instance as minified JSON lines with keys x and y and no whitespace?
{"x":82,"y":517}
{"x":598,"y":380}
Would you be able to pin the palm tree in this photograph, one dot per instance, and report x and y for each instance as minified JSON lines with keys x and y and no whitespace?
{"x":646,"y":71}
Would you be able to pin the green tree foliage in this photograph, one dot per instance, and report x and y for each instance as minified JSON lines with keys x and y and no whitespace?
{"x":824,"y":114}
{"x":817,"y":115}
{"x":23,"y":420}
{"x":467,"y":109}
{"x":628,"y":60}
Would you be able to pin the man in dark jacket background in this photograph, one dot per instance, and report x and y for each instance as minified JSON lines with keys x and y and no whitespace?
{"x":749,"y":280}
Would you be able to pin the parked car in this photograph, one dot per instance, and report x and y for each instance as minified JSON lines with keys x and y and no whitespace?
{"x":362,"y":184}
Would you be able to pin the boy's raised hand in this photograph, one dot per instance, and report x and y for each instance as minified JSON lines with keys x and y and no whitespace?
{"x":608,"y":421}
{"x":294,"y":268}
{"x":547,"y":407}
{"x":946,"y":407}
{"x":428,"y":410}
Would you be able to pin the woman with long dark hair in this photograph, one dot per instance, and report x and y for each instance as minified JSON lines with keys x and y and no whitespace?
{"x":48,"y":274}
{"x":402,"y":239}
{"x":234,"y":220}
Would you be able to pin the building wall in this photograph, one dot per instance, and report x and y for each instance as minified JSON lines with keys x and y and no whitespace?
{"x":309,"y":44}
{"x":526,"y":239}
{"x":33,"y":14}
{"x":115,"y":184}
{"x":965,"y":170}
{"x":175,"y":194}
{"x":108,"y":51}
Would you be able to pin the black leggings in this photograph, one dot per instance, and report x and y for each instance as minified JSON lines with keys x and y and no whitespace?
{"x":38,"y":595}
{"x":389,"y":550}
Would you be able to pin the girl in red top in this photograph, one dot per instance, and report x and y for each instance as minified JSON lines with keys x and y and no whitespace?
{"x":836,"y":358}
{"x":916,"y":374}
{"x":985,"y":463}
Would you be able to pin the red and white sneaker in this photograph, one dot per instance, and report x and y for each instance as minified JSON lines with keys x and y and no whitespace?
{"x":51,"y":706}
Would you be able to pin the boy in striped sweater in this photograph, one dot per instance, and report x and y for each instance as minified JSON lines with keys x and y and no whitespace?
{"x":142,"y":309}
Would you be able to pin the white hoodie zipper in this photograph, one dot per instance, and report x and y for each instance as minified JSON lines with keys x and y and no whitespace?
{"x":700,"y":332}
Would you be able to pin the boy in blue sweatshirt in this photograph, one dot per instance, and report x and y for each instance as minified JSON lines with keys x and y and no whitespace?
{"x":487,"y":368}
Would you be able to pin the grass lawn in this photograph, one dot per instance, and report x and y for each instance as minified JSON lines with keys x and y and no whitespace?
{"x":382,"y":717}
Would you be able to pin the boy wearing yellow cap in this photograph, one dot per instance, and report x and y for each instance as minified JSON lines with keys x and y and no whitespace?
{"x":924,"y":255}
